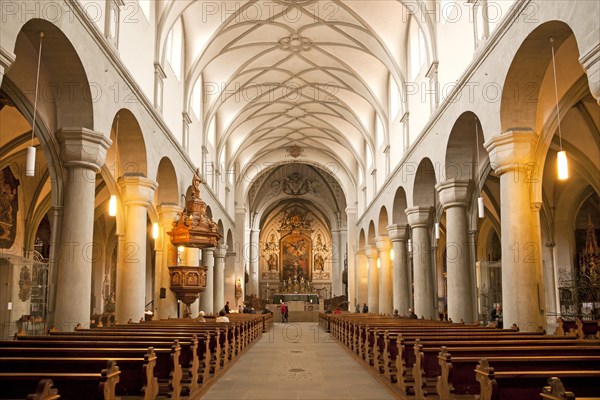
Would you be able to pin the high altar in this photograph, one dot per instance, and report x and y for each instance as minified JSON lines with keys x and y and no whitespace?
{"x":295,"y":261}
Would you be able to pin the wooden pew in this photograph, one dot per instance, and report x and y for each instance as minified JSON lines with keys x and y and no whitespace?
{"x":458,"y":378}
{"x":579,"y":328}
{"x":99,"y":385}
{"x":379,"y":343}
{"x":44,"y":391}
{"x":512,"y":385}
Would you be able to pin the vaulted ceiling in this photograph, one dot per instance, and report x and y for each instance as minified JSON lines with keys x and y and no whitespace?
{"x":278,"y":73}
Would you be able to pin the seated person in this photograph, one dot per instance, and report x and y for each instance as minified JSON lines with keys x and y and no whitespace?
{"x":222,"y":317}
{"x":396,"y":314}
{"x":252,"y":311}
{"x":337,"y":311}
{"x":200,"y":317}
{"x":496,"y":316}
{"x":411,"y":314}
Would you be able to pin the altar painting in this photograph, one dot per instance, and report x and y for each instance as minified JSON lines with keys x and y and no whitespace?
{"x":295,"y":257}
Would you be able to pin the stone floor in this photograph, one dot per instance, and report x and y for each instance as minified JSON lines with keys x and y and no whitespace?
{"x":297,"y":361}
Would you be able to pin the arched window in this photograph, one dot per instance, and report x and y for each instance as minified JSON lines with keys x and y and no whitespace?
{"x":174,"y":47}
{"x":417,"y":48}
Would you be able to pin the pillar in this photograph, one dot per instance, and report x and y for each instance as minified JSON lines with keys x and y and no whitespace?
{"x":362,"y":278}
{"x":352,"y":264}
{"x":207,"y":297}
{"x":400,"y":268}
{"x":191,"y":258}
{"x":137,"y":193}
{"x":454,"y":197}
{"x":511,"y":155}
{"x":230,"y":275}
{"x":384,"y":245}
{"x":336,"y":273}
{"x":254,"y":255}
{"x":83,"y":152}
{"x":240,"y":241}
{"x":473,"y":268}
{"x":373,"y":271}
{"x":219,"y":292}
{"x":166,"y":255}
{"x":419,"y":219}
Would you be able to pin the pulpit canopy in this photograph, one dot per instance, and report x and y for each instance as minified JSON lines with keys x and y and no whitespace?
{"x":193,"y":227}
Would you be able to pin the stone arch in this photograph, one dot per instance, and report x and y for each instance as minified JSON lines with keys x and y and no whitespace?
{"x":383,"y":222}
{"x":129,"y":146}
{"x":371,"y":234}
{"x":220,"y":228}
{"x":465,"y":141}
{"x":362,"y":241}
{"x":61,"y":69}
{"x":399,"y":207}
{"x":229,"y":240}
{"x":166,"y":177}
{"x":523,"y":83}
{"x":424,"y":184}
{"x":209,"y":212}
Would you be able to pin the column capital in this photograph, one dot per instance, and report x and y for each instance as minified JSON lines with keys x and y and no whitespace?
{"x":419,"y":216}
{"x":83,"y":147}
{"x":351,"y":209}
{"x":240,"y":209}
{"x":137,"y":190}
{"x":371,"y":251}
{"x":167,"y":213}
{"x":511,"y":150}
{"x":398,"y":233}
{"x":220,"y":251}
{"x":383,"y":243}
{"x":454,"y":192}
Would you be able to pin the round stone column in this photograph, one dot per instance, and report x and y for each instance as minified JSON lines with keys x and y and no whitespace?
{"x":511,"y":155}
{"x":137,"y":193}
{"x":219,"y":292}
{"x":207,"y":297}
{"x":454,"y":197}
{"x":384,"y":245}
{"x":419,"y":219}
{"x":166,"y":255}
{"x":83,"y":152}
{"x":254,"y":256}
{"x":402,"y":286}
{"x":373,"y":296}
{"x":362,"y":278}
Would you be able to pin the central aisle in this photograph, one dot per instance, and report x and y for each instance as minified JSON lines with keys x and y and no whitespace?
{"x":297,"y":361}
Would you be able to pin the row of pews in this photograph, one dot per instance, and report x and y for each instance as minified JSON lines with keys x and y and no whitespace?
{"x":170,"y":359}
{"x":433,"y":359}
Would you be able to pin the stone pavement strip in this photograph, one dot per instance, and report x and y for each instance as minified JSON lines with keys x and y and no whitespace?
{"x":297,"y":361}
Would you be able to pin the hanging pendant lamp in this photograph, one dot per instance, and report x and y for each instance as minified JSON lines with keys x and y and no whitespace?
{"x":31,"y":150}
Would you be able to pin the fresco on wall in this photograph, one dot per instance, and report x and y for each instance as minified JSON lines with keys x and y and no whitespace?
{"x":9,"y":205}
